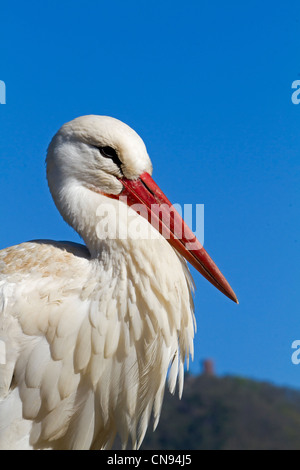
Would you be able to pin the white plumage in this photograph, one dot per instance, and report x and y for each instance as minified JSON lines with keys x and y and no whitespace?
{"x":93,"y":332}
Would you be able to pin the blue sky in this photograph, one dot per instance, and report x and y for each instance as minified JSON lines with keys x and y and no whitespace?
{"x":208,"y":87}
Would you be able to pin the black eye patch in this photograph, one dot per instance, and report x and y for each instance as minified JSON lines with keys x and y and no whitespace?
{"x":109,"y":152}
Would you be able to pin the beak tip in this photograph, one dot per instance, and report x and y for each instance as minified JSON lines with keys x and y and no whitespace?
{"x":234,"y":298}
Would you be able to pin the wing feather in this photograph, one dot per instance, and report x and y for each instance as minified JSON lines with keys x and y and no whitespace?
{"x":90,"y":344}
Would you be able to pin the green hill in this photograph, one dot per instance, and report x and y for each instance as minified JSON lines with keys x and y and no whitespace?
{"x":228,"y":413}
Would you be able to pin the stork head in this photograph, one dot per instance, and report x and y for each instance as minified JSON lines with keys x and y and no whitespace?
{"x":97,"y":151}
{"x":102,"y":155}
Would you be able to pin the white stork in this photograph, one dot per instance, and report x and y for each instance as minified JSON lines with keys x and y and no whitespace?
{"x":90,"y":333}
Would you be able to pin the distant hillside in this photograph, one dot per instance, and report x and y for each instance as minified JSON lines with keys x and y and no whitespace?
{"x":228,"y":413}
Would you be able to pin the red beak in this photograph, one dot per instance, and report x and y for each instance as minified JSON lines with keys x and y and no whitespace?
{"x":170,"y":224}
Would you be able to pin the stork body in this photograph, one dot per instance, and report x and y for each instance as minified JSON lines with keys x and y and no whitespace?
{"x":92,"y":332}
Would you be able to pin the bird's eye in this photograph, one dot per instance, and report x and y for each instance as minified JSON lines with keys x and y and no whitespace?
{"x":109,"y":152}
